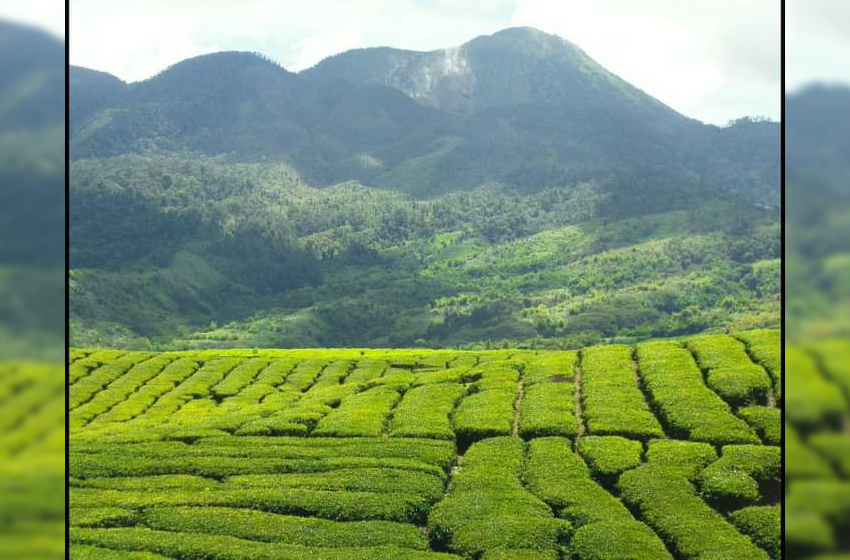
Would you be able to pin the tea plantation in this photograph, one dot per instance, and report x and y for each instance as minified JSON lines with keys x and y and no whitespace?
{"x":659,"y":451}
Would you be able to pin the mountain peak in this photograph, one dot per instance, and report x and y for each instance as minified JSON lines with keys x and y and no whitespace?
{"x":526,"y":33}
{"x":223,"y":61}
{"x":517,"y":65}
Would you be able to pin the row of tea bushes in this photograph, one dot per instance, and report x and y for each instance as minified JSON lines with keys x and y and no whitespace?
{"x":488,"y":508}
{"x":604,"y":527}
{"x":690,"y":409}
{"x":613,"y":403}
{"x":729,"y":370}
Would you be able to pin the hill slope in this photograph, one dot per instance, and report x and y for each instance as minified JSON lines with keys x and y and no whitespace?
{"x":519,"y":108}
{"x":285,"y":454}
{"x":227,"y":201}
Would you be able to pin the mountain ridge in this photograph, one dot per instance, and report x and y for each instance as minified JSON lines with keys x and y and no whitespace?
{"x":230,"y":202}
{"x":508,"y":111}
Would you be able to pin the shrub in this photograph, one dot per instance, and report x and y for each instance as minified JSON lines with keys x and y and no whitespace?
{"x":88,"y":363}
{"x":668,"y":503}
{"x":608,"y":456}
{"x":160,"y":482}
{"x":363,"y":414}
{"x":139,"y":401}
{"x":615,"y":541}
{"x":502,"y":375}
{"x":613,"y":403}
{"x":276,"y":372}
{"x":329,"y":395}
{"x":548,"y":409}
{"x":834,"y":357}
{"x":519,"y":554}
{"x":452,"y":375}
{"x":690,"y":409}
{"x":488,"y":508}
{"x":550,"y":462}
{"x":687,"y":458}
{"x":807,"y":533}
{"x":304,"y":374}
{"x":800,"y":460}
{"x":769,"y":356}
{"x":484,"y":414}
{"x":740,"y":385}
{"x":765,"y":346}
{"x":117,"y":391}
{"x":252,"y":394}
{"x":196,"y":386}
{"x":554,"y":366}
{"x":734,"y":479}
{"x":222,"y":547}
{"x":101,"y":517}
{"x":272,"y":427}
{"x":766,"y":421}
{"x":827,"y":498}
{"x":813,"y":401}
{"x":84,"y":465}
{"x":271,"y":527}
{"x":716,"y":351}
{"x":344,"y":506}
{"x":424,"y":412}
{"x":366,"y":370}
{"x":437,"y":452}
{"x":240,"y":377}
{"x":835,"y":447}
{"x":763,"y":524}
{"x":397,"y":379}
{"x":334,"y":374}
{"x":87,"y":386}
{"x":559,"y":477}
{"x":87,"y":552}
{"x":428,"y":486}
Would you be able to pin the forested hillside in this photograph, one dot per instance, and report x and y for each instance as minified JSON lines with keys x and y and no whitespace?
{"x":523,"y":195}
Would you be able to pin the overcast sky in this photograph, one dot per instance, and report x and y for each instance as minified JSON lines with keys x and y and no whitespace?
{"x":710,"y":59}
{"x":714,"y":60}
{"x":817,"y":42}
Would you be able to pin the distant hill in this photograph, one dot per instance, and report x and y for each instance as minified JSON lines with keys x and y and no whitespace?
{"x":817,"y":135}
{"x":520,"y":108}
{"x":817,"y":215}
{"x":509,"y":189}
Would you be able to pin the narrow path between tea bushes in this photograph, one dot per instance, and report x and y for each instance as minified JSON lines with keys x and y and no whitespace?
{"x":646,"y":398}
{"x":520,"y":393}
{"x":579,"y":405}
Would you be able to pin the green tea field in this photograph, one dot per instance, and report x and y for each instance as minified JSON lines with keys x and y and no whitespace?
{"x":665,"y":450}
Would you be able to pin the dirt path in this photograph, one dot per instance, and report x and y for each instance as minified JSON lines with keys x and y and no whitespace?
{"x":520,"y":393}
{"x":579,"y":406}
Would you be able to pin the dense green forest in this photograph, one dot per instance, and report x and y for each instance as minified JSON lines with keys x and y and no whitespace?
{"x":817,"y":219}
{"x":32,"y":187}
{"x":509,"y":191}
{"x":206,"y":252}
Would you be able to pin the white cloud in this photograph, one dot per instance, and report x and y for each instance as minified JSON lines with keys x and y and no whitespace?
{"x":711,"y":59}
{"x":45,"y":14}
{"x":817,"y":42}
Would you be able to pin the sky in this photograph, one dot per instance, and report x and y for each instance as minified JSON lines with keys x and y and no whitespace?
{"x":714,"y":60}
{"x":817,"y":42}
{"x":46,"y":14}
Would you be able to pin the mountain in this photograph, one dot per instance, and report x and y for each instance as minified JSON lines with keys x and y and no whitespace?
{"x":32,"y":194}
{"x":817,"y":139}
{"x":515,"y":66}
{"x":509,"y":189}
{"x":817,"y":216}
{"x":518,"y":108}
{"x":32,"y":78}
